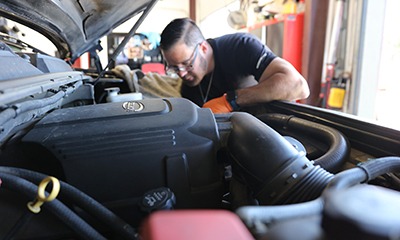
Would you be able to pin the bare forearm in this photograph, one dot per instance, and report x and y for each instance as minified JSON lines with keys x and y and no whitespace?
{"x":280,"y":82}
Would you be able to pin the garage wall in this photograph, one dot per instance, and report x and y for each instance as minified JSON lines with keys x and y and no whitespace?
{"x":377,"y":84}
{"x":368,"y":59}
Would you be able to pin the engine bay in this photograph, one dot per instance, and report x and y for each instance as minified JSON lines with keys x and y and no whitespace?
{"x":137,"y":158}
{"x":73,"y":166}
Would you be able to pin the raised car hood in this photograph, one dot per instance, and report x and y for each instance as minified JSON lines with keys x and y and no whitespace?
{"x":73,"y":26}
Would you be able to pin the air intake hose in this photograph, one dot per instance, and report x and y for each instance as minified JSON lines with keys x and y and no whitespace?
{"x":339,"y":150}
{"x":271,"y":167}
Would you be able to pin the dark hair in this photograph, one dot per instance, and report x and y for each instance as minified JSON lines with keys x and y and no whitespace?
{"x":179,"y":29}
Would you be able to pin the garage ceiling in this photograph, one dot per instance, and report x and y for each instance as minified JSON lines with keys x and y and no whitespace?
{"x":206,"y":7}
{"x":203,"y":7}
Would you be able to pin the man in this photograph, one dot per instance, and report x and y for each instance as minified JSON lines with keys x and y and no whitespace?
{"x":228,"y":72}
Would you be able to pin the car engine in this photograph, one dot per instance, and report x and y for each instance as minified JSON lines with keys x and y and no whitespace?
{"x":104,"y":170}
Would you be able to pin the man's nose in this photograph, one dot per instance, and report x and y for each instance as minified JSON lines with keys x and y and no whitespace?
{"x":182,"y":73}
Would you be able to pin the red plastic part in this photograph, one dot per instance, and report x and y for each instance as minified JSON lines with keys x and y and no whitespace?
{"x":153,"y":67}
{"x":194,"y":225}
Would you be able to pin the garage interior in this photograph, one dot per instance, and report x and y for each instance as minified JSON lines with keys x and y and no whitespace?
{"x":347,"y":48}
{"x":348,"y":51}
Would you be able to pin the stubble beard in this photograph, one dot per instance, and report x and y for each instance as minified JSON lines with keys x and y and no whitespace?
{"x":196,"y":79}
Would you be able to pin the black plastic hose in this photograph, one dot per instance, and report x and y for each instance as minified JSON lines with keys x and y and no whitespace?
{"x":72,"y":220}
{"x":270,"y":165}
{"x":82,"y":200}
{"x":365,"y":172}
{"x":269,"y":214}
{"x":339,"y":149}
{"x":256,"y":216}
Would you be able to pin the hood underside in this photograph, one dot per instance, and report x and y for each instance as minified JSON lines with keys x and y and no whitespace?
{"x":73,"y":26}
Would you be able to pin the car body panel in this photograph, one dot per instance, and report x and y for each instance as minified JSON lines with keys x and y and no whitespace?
{"x":73,"y":26}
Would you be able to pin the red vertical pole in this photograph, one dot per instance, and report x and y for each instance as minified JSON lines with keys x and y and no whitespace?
{"x":293,"y":39}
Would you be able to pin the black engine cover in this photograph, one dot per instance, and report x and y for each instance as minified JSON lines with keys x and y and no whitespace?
{"x":115,"y":152}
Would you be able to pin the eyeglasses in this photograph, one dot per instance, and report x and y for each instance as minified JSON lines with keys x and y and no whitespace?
{"x":186,"y":67}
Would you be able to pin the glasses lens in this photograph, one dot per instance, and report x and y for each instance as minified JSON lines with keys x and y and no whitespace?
{"x":176,"y":70}
{"x":185,"y":68}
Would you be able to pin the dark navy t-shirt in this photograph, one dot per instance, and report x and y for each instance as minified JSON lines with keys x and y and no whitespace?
{"x":240,"y":59}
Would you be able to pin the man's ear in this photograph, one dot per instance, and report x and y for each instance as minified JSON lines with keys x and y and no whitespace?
{"x":204,"y":47}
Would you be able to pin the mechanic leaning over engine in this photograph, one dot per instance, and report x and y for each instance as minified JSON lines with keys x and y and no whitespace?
{"x":228,"y":72}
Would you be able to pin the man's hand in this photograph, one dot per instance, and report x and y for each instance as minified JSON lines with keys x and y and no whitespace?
{"x":219,"y":105}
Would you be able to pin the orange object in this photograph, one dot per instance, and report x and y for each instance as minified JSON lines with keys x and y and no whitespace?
{"x":194,"y":225}
{"x":219,"y":105}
